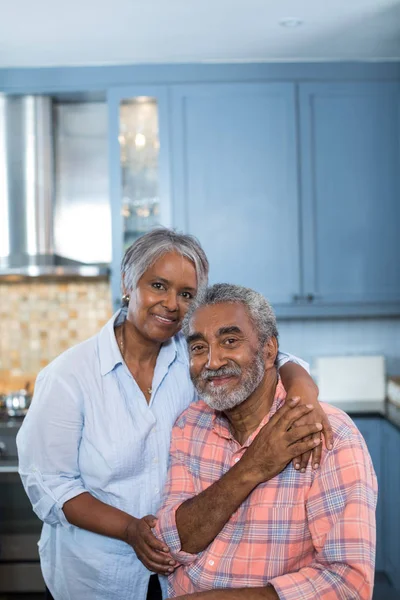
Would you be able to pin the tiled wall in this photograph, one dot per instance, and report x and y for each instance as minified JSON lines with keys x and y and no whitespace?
{"x":40,"y":319}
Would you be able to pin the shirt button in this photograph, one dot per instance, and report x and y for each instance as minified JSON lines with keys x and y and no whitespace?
{"x":156,"y":490}
{"x":211,"y":563}
{"x":237,"y":460}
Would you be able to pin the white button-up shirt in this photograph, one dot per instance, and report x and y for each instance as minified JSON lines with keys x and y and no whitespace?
{"x":90,"y":429}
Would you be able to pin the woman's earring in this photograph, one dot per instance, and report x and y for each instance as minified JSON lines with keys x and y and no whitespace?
{"x":125,"y":299}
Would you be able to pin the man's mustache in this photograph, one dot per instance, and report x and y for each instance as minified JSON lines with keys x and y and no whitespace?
{"x":208,"y":374}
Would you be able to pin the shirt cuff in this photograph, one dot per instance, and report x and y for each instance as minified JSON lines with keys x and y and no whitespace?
{"x":294,"y":586}
{"x":167,"y":531}
{"x":48,"y":502}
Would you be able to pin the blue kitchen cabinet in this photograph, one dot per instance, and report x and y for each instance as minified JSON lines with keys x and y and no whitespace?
{"x":235,"y":186}
{"x":371,"y":430}
{"x":293,"y":190}
{"x":390,"y":500}
{"x":350,"y":177}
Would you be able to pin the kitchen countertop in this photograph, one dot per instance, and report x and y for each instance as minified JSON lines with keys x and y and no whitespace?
{"x":393,"y":414}
{"x":11,"y":423}
{"x":9,"y":465}
{"x":385,"y":410}
{"x":361,"y":407}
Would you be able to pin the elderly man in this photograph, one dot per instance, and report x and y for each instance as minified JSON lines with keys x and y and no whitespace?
{"x":239,"y":520}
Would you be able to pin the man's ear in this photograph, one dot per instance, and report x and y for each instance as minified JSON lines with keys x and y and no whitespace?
{"x":270,"y":352}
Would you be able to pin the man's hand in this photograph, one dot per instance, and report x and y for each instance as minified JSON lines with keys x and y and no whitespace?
{"x":200,"y":518}
{"x":153,"y":553}
{"x":278,"y":442}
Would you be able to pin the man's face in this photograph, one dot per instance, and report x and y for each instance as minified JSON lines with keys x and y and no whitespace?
{"x":226,"y":359}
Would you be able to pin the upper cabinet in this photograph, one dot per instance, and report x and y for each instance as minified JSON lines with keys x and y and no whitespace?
{"x":293,"y":190}
{"x":235,"y":182}
{"x":139,"y":167}
{"x":350,"y":175}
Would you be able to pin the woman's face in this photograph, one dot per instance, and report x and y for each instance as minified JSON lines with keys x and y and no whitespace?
{"x":162,"y":297}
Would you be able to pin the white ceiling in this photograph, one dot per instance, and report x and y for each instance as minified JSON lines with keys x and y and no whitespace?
{"x":94,"y":32}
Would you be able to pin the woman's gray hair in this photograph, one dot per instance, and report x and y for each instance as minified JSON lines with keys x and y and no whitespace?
{"x":151,"y":246}
{"x":258,"y":308}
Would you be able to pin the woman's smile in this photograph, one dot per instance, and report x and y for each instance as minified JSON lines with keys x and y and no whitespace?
{"x":164,"y":320}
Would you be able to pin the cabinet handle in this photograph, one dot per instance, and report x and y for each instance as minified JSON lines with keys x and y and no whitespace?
{"x":310,"y":297}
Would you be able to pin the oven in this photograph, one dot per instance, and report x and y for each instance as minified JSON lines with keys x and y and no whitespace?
{"x":19,"y":526}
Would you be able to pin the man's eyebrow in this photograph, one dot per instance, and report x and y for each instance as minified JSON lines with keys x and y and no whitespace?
{"x":231,"y":329}
{"x":194,"y":336}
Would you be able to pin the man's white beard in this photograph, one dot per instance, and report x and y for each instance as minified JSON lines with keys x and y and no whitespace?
{"x":220,"y":398}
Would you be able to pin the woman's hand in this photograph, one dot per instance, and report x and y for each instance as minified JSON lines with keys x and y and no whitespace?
{"x":298,"y":383}
{"x":318,"y":414}
{"x":154,"y":554}
{"x":279,"y":441}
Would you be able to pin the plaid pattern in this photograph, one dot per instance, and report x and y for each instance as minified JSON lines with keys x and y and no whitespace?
{"x":310,"y":535}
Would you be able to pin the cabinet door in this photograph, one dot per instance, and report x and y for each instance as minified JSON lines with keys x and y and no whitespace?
{"x":235,"y":182}
{"x":139,"y":167}
{"x":371,"y":430}
{"x":350,"y":192}
{"x":390,"y":496}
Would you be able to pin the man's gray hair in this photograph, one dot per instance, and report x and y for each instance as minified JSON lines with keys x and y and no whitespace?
{"x":151,"y":246}
{"x":258,"y":308}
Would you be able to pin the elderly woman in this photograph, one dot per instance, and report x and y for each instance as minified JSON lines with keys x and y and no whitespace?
{"x":93,"y":449}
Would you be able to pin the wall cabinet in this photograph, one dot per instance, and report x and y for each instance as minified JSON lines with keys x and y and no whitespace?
{"x":235,"y":182}
{"x":139,"y":168}
{"x":350,"y":177}
{"x":293,"y":190}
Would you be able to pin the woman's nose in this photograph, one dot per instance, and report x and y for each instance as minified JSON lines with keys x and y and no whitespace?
{"x":170,"y":302}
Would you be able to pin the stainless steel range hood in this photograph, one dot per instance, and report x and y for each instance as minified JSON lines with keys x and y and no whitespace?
{"x":27,"y":193}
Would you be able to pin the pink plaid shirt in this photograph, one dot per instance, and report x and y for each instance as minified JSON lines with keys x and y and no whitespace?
{"x":310,"y":535}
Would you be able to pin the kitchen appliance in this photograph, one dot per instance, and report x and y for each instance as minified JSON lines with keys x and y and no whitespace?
{"x":19,"y":526}
{"x":29,"y":167}
{"x":15,"y":404}
{"x":352,"y":381}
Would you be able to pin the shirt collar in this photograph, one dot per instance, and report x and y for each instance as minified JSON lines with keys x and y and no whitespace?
{"x":221,"y":424}
{"x":109,"y":352}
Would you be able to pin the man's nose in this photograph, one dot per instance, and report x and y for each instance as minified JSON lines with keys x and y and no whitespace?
{"x":215,"y":359}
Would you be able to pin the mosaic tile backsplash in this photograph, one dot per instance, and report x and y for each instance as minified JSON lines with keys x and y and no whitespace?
{"x":41,"y":319}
